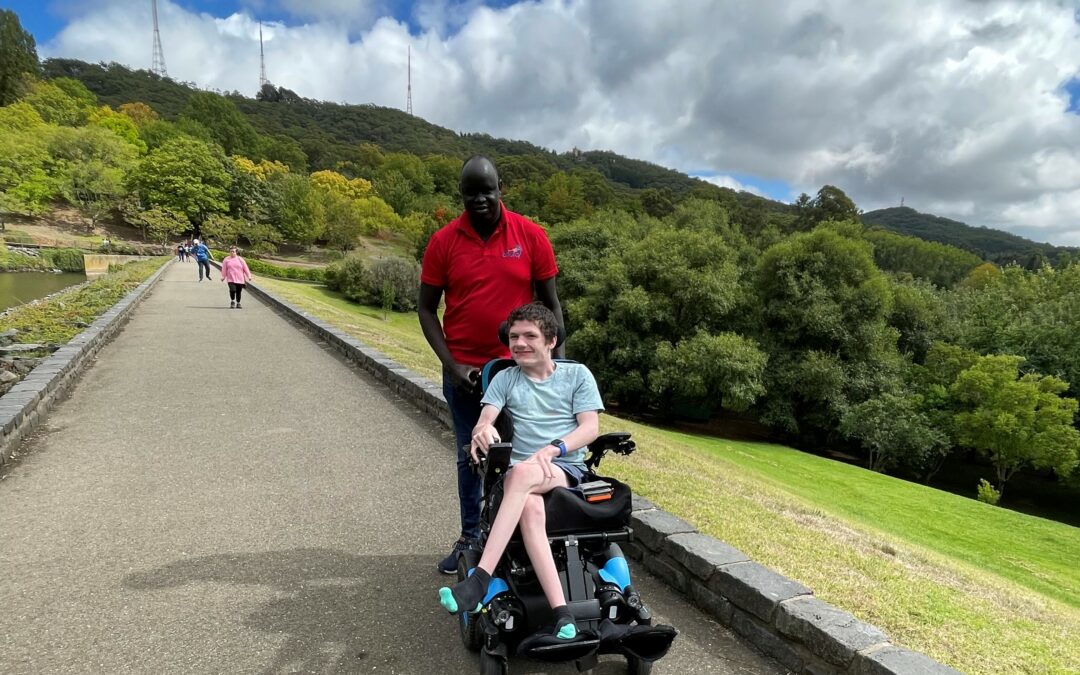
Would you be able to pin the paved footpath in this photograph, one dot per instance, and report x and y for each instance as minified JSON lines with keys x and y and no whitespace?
{"x":222,"y":494}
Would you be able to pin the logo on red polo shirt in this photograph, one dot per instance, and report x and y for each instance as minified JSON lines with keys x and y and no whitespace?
{"x":513,"y":252}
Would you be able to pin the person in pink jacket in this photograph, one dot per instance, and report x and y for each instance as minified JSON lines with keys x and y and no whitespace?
{"x":234,"y":271}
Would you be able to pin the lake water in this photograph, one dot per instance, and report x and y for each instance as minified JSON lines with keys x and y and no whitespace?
{"x":17,"y":288}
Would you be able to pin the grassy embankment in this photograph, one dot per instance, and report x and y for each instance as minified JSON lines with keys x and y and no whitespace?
{"x":983,"y":589}
{"x":64,"y":315}
{"x":48,"y":259}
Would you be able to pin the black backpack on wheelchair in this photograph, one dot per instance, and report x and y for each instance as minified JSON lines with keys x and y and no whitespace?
{"x":585,"y":536}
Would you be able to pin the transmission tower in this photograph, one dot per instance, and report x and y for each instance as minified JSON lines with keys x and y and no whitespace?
{"x":262,"y":61}
{"x":158,"y":67}
{"x":408,"y":100}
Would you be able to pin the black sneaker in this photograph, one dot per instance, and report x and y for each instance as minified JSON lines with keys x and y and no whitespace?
{"x":448,"y":565}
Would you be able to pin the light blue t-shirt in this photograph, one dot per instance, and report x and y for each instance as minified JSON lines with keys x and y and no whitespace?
{"x":544,"y":411}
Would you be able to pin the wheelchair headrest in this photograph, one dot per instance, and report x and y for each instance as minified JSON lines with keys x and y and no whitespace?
{"x":504,"y":334}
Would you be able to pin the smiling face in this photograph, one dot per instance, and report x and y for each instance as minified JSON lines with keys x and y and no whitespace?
{"x":479,"y":187}
{"x":528,"y":345}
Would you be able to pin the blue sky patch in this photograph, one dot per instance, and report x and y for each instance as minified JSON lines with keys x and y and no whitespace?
{"x":1072,"y":88}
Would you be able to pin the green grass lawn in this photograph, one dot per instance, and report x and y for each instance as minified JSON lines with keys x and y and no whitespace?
{"x":1040,"y":554}
{"x":981,"y":588}
{"x":398,"y":335}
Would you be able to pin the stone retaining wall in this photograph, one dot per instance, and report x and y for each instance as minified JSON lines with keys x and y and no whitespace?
{"x":25,"y":403}
{"x":779,"y":616}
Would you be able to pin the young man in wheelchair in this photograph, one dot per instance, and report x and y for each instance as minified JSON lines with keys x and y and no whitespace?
{"x":555,"y":409}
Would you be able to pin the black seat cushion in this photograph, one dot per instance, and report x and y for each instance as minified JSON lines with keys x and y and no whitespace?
{"x":569,"y":513}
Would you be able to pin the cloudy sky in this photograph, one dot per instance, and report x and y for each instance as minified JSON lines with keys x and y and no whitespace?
{"x":968,"y":109}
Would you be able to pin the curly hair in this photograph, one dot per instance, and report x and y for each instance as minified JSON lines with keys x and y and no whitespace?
{"x":543,"y":317}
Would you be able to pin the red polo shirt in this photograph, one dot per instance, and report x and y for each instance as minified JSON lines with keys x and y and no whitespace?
{"x":484,"y":281}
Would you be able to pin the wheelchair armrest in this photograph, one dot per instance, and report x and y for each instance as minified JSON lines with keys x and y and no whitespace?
{"x":617,"y":441}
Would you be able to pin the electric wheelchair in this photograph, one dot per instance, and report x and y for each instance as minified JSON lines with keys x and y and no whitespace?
{"x":609,"y":614}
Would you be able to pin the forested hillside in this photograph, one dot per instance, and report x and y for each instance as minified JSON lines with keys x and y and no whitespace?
{"x":993,"y":245}
{"x":329,"y":132}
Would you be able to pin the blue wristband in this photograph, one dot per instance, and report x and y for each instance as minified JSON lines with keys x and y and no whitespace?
{"x":561,"y":446}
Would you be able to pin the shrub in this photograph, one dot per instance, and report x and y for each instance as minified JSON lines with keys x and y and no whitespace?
{"x":351,"y":278}
{"x":986,"y":492}
{"x":395,"y":282}
{"x":265,"y":269}
{"x":67,"y":259}
{"x":268,"y":270}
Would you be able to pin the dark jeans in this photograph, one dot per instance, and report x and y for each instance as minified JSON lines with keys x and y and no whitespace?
{"x":465,"y":410}
{"x":204,"y":264}
{"x":234,"y":291}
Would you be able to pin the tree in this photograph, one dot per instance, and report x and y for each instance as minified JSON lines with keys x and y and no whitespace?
{"x":344,"y":223}
{"x":160,"y":225}
{"x":57,"y":106}
{"x":26,"y":186}
{"x":334,"y":183}
{"x":295,"y":208}
{"x":228,"y":127}
{"x":18,"y":56}
{"x":632,"y":286}
{"x":564,"y":199}
{"x":183,"y":176}
{"x":20,"y":116}
{"x":138,"y":112}
{"x":830,"y":203}
{"x":725,"y":368}
{"x":118,"y":123}
{"x":1016,"y":420}
{"x":823,"y":307}
{"x":377,"y":218}
{"x":95,"y":188}
{"x":222,"y":229}
{"x":892,"y":429}
{"x":917,"y":312}
{"x":281,"y":148}
{"x":657,"y":203}
{"x":444,"y":173}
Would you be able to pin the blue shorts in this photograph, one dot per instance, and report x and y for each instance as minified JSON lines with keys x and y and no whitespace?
{"x":575,"y":474}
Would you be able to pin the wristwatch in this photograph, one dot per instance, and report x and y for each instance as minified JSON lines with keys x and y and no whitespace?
{"x":558,"y":443}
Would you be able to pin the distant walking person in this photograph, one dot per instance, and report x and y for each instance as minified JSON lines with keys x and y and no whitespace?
{"x":234,"y":271}
{"x":180,"y":252}
{"x":202,"y":256}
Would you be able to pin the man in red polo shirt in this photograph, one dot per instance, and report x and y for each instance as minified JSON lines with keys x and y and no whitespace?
{"x":488,"y":261}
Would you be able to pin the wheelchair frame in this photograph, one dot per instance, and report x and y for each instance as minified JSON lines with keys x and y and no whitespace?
{"x":515,"y":606}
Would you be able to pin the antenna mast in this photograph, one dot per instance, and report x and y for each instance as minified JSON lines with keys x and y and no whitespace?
{"x":158,"y":67}
{"x":408,"y":100}
{"x":262,"y":61}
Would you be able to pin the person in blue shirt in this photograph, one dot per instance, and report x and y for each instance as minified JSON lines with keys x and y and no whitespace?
{"x":547,"y":400}
{"x":203,"y":257}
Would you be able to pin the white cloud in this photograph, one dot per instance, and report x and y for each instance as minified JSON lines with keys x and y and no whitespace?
{"x":729,"y":182}
{"x":955,"y":105}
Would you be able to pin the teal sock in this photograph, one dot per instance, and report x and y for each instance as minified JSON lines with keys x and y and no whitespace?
{"x":565,"y":628}
{"x":465,"y":595}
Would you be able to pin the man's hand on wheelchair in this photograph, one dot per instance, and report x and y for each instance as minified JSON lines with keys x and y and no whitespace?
{"x":482,"y":438}
{"x":465,"y":377}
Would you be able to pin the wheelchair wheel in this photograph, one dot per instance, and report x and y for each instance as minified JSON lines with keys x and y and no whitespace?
{"x":492,"y":664}
{"x":469,"y":624}
{"x":635,"y":666}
